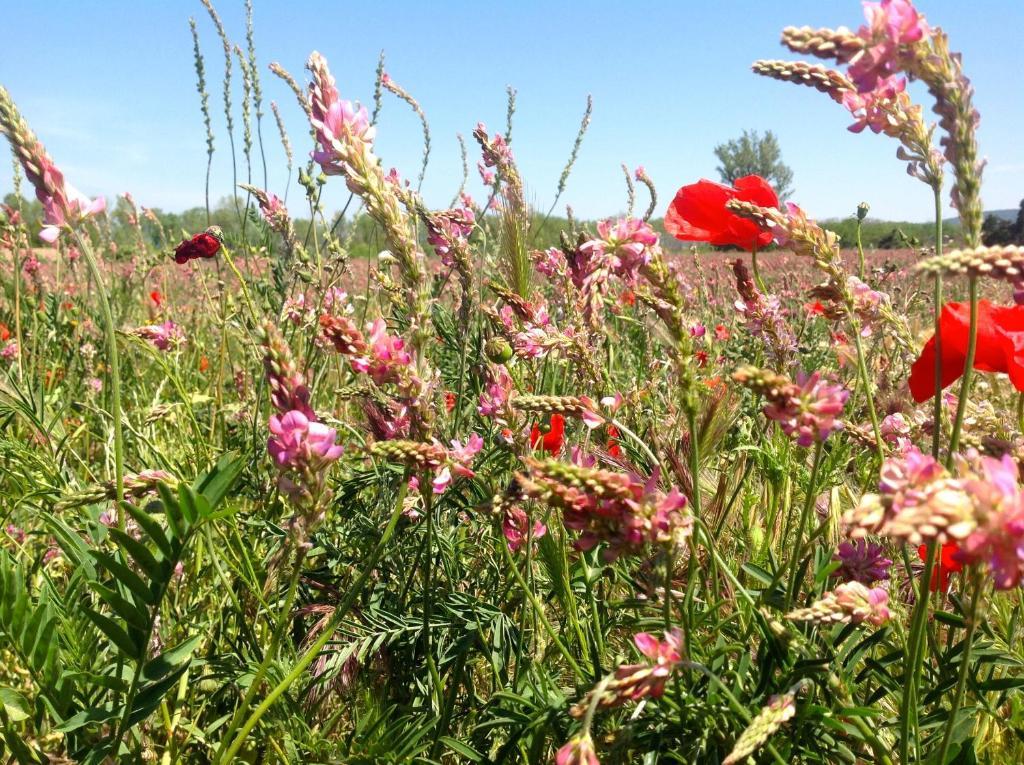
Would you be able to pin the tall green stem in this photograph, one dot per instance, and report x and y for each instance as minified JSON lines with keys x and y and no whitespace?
{"x":328,"y":632}
{"x":937,"y":309}
{"x":965,"y":666}
{"x":965,"y":384}
{"x":538,"y":608}
{"x":115,"y":370}
{"x":757,"y":271}
{"x":869,"y":396}
{"x":801,"y":529}
{"x":268,"y":654}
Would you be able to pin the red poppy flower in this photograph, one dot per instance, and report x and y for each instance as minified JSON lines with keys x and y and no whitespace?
{"x":203,"y":245}
{"x":204,"y":364}
{"x":5,"y":333}
{"x":552,"y":440}
{"x":815,"y":308}
{"x":628,"y":297}
{"x":156,"y":297}
{"x":698,"y":213}
{"x":613,"y":443}
{"x":1000,"y":346}
{"x":449,"y":401}
{"x":947,"y":565}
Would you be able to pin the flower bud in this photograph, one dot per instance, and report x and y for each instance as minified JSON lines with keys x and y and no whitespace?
{"x":498,"y":350}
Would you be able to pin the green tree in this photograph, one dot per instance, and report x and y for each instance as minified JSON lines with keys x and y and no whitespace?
{"x":754,"y":154}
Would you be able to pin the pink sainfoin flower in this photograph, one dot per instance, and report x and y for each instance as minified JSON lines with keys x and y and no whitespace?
{"x":460,"y":458}
{"x":549,"y":262}
{"x":849,"y":603}
{"x":998,"y":540}
{"x":763,"y":317}
{"x":625,"y":246}
{"x":386,"y":356}
{"x":578,"y":750}
{"x":447,"y":228}
{"x":343,"y":130}
{"x":515,"y":525}
{"x":895,"y":430}
{"x":891,"y":24}
{"x":872,"y":109}
{"x":287,"y":384}
{"x":62,"y":203}
{"x":810,"y":409}
{"x":162,"y":336}
{"x":918,"y":501}
{"x":496,"y":151}
{"x":621,"y":510}
{"x":16,"y":533}
{"x":861,"y":561}
{"x":633,"y":682}
{"x":297,"y":441}
{"x":494,"y":398}
{"x":9,"y":351}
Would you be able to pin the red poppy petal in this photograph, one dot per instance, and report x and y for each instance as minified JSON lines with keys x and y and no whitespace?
{"x":754,"y":188}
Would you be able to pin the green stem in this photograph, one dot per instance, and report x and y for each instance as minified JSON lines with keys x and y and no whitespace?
{"x":268,"y":655}
{"x":965,"y":384}
{"x":937,"y":309}
{"x":115,"y":371}
{"x":861,"y":266}
{"x":915,"y":656}
{"x":965,"y":666}
{"x":757,"y":272}
{"x":869,"y":396}
{"x":801,"y":529}
{"x":328,"y":632}
{"x":538,"y":608}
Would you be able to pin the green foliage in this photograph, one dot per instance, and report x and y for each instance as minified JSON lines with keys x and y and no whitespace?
{"x":755,"y":154}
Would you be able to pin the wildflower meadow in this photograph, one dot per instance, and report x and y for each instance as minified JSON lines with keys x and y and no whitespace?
{"x":702,"y":483}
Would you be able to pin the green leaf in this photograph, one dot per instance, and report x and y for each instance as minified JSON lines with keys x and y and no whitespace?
{"x":152,"y":528}
{"x":125,"y":576}
{"x":140,"y":553}
{"x":14,"y":705}
{"x":115,"y":632}
{"x":164,"y":663}
{"x":462,"y":749}
{"x":221,"y":478}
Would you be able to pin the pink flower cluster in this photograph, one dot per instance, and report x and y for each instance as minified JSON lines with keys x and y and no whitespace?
{"x":162,"y":336}
{"x":634,"y":682}
{"x":460,"y":459}
{"x":808,"y":409}
{"x":624,"y":247}
{"x":515,"y":525}
{"x":873,"y":108}
{"x":998,"y":539}
{"x":301,"y":447}
{"x":620,"y":509}
{"x":447,"y":228}
{"x":891,"y":24}
{"x":343,"y":130}
{"x":494,"y":398}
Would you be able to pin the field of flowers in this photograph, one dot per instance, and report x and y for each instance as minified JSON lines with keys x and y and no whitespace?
{"x":485,"y":498}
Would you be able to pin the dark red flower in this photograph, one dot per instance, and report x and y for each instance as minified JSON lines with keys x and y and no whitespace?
{"x":204,"y":245}
{"x":698,"y":213}
{"x":449,"y":401}
{"x":550,"y":440}
{"x":947,"y":565}
{"x":1000,"y":346}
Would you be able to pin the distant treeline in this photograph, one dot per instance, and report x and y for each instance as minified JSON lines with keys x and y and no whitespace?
{"x":364,"y":238}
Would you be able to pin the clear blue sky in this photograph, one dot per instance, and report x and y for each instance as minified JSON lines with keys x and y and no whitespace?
{"x":110,"y":88}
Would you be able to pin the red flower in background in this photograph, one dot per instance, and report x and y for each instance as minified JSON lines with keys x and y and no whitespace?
{"x":613,"y":441}
{"x":156,"y":297}
{"x":552,"y":440}
{"x":698,"y":213}
{"x":1000,"y":346}
{"x":5,"y":333}
{"x":204,"y":245}
{"x":947,"y":565}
